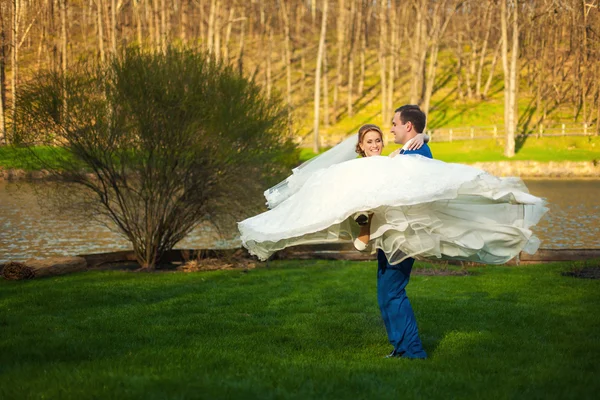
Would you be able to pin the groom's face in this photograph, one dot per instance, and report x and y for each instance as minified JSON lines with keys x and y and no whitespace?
{"x":401,"y":132}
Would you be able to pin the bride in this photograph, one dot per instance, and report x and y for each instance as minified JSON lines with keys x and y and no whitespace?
{"x":416,"y":206}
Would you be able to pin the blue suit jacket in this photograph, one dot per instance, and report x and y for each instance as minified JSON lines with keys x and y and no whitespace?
{"x":424,"y":151}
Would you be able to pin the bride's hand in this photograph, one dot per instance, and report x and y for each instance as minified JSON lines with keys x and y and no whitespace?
{"x":416,"y":142}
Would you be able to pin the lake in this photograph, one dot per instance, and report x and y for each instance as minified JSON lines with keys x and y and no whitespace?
{"x":30,"y":230}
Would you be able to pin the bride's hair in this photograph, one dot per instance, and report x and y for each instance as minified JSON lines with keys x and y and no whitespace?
{"x":362,"y":131}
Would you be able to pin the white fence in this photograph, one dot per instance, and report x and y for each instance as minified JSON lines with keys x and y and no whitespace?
{"x":473,"y":133}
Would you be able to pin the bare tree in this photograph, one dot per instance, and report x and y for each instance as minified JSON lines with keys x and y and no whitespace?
{"x":510,"y":75}
{"x":15,"y":57}
{"x":287,"y":58}
{"x":354,"y":37}
{"x":156,"y":143}
{"x":3,"y":44}
{"x":341,"y":36}
{"x":382,"y":56}
{"x":100,"y":30}
{"x":318,"y":67}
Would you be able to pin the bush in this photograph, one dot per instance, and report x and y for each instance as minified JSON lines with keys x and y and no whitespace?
{"x":158,"y":143}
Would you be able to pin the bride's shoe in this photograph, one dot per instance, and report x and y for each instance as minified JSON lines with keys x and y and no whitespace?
{"x":359,"y":245}
{"x":361,"y":218}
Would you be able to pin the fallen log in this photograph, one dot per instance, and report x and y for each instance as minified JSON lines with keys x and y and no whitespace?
{"x":345,"y":251}
{"x":40,"y":268}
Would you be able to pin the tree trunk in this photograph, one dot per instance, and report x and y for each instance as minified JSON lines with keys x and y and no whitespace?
{"x":584,"y":54}
{"x":3,"y":140}
{"x":341,"y":29}
{"x":288,"y":61}
{"x":113,"y":27}
{"x":490,"y":77}
{"x":240,"y":60}
{"x":148,"y":15}
{"x":100,"y":31}
{"x":164,"y":25}
{"x":510,"y":77}
{"x":228,"y":35}
{"x":391,"y":59}
{"x":14,"y":60}
{"x":217,"y":43}
{"x":417,"y":52}
{"x":300,"y":12}
{"x":382,"y":57}
{"x":326,"y":118}
{"x":63,"y":48}
{"x":354,"y":35}
{"x":268,"y":77}
{"x":184,"y":20}
{"x":316,"y":145}
{"x":597,"y":100}
{"x":431,"y":70}
{"x":363,"y":49}
{"x":211,"y":26}
{"x":138,"y":22}
{"x":488,"y":29}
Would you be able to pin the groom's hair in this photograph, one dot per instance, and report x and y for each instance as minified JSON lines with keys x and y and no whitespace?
{"x":413,"y":113}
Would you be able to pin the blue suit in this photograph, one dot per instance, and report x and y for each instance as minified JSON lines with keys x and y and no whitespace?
{"x":396,"y":311}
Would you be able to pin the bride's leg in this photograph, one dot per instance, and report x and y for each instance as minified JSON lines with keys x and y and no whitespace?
{"x":362,"y":240}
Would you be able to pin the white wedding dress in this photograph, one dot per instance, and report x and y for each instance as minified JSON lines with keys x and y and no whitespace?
{"x":421,"y":208}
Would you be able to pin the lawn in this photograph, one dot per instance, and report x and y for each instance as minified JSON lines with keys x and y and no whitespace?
{"x":545,"y":149}
{"x":22,"y":158}
{"x":298,"y":330}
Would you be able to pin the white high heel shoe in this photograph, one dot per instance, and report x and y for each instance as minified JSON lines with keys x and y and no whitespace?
{"x":359,"y":245}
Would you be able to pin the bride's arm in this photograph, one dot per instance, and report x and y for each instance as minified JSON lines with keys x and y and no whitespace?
{"x":417,"y":142}
{"x":413,"y":144}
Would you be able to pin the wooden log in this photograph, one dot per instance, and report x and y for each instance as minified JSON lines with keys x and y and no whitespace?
{"x":346,"y":251}
{"x":16,"y":271}
{"x":40,"y":268}
{"x":548,"y":255}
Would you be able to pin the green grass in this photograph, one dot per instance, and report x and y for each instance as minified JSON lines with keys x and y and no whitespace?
{"x":570,"y":148}
{"x":545,"y":149}
{"x":22,"y":158}
{"x":574,"y":148}
{"x":298,"y":330}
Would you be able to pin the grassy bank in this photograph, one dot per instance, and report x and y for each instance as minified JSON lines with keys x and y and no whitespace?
{"x":297,"y":330}
{"x":24,"y":159}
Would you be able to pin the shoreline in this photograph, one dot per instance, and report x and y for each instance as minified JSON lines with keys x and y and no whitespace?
{"x":588,"y":170}
{"x":538,"y":170}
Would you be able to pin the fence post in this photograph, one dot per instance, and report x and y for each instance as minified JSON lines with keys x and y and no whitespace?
{"x":472,"y":133}
{"x":563,"y":129}
{"x":495,"y":132}
{"x":541,"y":130}
{"x":585,"y":128}
{"x":450,"y":134}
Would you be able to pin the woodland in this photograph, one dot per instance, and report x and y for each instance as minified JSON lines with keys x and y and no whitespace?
{"x":326,"y":59}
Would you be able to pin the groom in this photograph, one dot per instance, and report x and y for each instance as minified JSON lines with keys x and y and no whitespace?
{"x":396,"y":310}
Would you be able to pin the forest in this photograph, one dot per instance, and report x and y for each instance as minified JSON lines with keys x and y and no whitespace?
{"x":330,"y":60}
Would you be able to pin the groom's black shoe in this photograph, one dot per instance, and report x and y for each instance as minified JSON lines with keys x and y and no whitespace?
{"x":394,"y":354}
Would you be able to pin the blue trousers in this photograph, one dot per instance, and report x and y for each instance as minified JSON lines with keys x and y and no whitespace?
{"x":395,"y":307}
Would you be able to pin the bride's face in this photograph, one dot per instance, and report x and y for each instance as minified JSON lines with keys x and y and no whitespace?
{"x":372,"y":144}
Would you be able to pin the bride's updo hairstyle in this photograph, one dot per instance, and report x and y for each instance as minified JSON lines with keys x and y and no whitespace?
{"x":361,"y":135}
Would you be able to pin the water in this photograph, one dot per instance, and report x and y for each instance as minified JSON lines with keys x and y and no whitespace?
{"x":28,"y":230}
{"x":573,"y":219}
